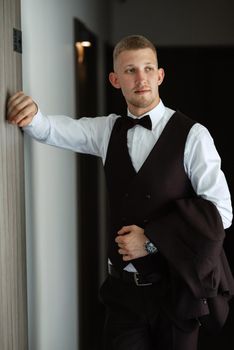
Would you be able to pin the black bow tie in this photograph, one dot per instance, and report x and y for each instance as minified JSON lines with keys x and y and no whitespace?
{"x":144,"y":121}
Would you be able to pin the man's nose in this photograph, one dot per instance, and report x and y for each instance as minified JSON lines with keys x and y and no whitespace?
{"x":140,"y":75}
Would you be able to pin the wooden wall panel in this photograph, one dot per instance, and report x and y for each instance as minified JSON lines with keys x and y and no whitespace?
{"x":13,"y":289}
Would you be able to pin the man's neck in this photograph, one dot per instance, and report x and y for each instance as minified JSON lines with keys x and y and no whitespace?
{"x":139,"y":112}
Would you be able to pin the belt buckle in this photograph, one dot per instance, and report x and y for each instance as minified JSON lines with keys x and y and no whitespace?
{"x":139,"y":284}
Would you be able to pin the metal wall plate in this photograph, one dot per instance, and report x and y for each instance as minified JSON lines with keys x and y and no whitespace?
{"x":17,"y":40}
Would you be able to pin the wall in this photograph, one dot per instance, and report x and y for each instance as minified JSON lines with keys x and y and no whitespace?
{"x":175,"y":22}
{"x":51,"y":180}
{"x":13,"y":297}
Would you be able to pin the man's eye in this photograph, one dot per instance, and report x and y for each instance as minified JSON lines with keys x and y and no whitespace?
{"x":148,"y":69}
{"x":130,"y":70}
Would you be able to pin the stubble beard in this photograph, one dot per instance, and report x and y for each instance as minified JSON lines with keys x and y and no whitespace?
{"x":141,"y":102}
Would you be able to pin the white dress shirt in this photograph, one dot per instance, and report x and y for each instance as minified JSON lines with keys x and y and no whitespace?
{"x":202,"y":162}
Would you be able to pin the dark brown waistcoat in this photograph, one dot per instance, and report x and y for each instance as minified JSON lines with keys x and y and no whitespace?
{"x":141,"y":197}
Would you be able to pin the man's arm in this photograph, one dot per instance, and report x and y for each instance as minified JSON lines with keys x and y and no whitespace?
{"x":83,"y":135}
{"x":203,"y":165}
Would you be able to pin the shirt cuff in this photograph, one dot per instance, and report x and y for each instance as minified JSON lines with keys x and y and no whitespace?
{"x":39,"y":128}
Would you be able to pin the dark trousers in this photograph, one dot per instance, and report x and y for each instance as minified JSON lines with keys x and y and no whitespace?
{"x":137,"y":319}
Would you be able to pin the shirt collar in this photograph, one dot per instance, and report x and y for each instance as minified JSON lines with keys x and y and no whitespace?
{"x":155,"y":114}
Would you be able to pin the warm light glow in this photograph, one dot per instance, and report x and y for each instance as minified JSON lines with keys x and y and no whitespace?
{"x":80,"y":46}
{"x":86,"y":43}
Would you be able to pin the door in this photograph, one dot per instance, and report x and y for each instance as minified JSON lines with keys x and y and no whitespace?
{"x":92,"y":261}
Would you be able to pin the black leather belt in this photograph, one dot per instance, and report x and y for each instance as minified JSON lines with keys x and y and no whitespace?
{"x":133,"y":277}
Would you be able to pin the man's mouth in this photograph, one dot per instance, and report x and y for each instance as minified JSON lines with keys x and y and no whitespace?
{"x":141,"y":91}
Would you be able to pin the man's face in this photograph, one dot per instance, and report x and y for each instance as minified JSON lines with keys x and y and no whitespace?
{"x":137,"y":75}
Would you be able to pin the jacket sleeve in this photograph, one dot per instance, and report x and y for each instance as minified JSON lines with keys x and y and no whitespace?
{"x":190,"y":236}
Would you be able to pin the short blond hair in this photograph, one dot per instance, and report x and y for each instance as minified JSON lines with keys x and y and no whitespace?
{"x":132,"y":42}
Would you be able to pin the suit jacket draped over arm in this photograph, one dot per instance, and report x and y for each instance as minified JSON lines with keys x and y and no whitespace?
{"x":190,"y":237}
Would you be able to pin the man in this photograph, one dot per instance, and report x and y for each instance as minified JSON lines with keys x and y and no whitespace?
{"x":169,"y":202}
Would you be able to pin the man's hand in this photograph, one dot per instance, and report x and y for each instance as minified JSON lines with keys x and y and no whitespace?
{"x":21,"y":109}
{"x":131,"y":240}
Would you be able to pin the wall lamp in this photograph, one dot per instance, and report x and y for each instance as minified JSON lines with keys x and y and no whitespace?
{"x":84,"y":41}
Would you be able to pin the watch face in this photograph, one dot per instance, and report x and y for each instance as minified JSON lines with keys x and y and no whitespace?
{"x":150,"y":247}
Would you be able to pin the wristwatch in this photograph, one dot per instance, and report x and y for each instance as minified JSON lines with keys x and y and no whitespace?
{"x":150,"y":247}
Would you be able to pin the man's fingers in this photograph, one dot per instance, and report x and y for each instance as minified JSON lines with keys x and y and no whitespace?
{"x":25,"y":121}
{"x":25,"y":112}
{"x":123,"y":252}
{"x":125,"y":229}
{"x":14,"y":101}
{"x":126,"y":256}
{"x":17,"y":104}
{"x":21,"y":109}
{"x":15,"y":96}
{"x":122,"y":240}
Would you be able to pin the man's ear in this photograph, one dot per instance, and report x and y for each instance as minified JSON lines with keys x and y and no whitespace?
{"x":161,"y":75}
{"x":114,"y":80}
